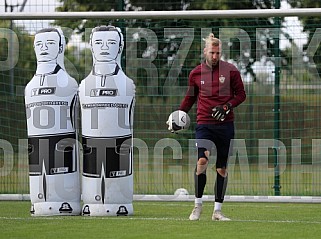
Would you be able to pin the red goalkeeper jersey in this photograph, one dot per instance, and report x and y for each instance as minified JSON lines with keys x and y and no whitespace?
{"x":211,"y":87}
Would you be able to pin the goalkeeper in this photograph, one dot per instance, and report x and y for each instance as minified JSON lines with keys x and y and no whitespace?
{"x":217,"y":87}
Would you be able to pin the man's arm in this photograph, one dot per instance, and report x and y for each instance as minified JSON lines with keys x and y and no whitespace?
{"x":238,"y":89}
{"x":190,"y":96}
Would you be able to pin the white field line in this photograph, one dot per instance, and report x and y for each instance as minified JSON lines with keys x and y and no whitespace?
{"x":157,"y":219}
{"x":190,"y":198}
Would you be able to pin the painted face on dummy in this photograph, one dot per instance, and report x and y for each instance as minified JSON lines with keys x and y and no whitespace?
{"x":105,"y":45}
{"x":46,"y":46}
{"x":212,"y":55}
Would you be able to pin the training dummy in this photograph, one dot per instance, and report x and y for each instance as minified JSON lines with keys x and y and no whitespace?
{"x":51,"y":102}
{"x":107,"y":99}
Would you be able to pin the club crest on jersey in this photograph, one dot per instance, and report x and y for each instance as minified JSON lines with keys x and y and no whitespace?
{"x":221,"y":79}
{"x":103,"y":92}
{"x":43,"y":91}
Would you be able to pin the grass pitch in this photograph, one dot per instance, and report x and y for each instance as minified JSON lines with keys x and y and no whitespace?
{"x":168,"y":220}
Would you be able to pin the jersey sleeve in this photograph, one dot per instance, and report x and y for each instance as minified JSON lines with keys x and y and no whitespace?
{"x":238,"y":89}
{"x":191,"y":94}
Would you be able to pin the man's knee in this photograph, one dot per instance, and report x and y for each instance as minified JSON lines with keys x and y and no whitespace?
{"x":202,"y":163}
{"x":222,"y":172}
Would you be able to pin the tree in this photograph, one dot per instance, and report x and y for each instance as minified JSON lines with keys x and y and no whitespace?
{"x":168,"y":46}
{"x":17,"y":49}
{"x":26,"y":64}
{"x":310,"y":25}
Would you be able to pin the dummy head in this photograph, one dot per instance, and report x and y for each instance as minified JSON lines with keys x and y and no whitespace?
{"x":49,"y":45}
{"x":106,"y":44}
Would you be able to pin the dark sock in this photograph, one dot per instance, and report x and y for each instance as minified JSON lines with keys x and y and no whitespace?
{"x":220,"y":187}
{"x":200,"y":182}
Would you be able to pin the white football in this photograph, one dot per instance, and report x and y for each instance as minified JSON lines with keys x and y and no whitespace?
{"x":178,"y":120}
{"x":181,"y":191}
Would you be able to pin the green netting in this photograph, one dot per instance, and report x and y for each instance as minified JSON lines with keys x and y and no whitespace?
{"x":277,"y":145}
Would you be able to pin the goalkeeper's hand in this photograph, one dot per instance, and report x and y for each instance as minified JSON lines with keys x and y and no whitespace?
{"x":221,"y":111}
{"x":172,"y":126}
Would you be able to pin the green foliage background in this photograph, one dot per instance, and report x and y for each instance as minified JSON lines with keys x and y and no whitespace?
{"x":157,"y":97}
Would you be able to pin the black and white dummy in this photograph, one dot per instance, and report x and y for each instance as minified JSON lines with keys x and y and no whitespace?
{"x":51,"y":103}
{"x":107,"y":98}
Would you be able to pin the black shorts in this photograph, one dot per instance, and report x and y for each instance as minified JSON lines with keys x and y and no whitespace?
{"x":209,"y":136}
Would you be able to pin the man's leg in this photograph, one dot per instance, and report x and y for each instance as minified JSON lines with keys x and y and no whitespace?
{"x":224,"y":147}
{"x":199,"y":182}
{"x":220,"y":189}
{"x":200,"y":177}
{"x":220,"y":184}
